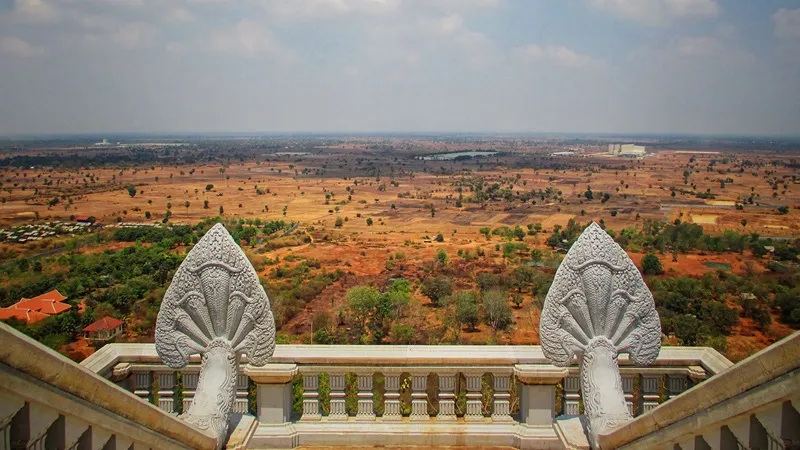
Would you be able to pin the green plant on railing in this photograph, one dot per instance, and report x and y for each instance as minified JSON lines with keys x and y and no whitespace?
{"x":325,"y":393}
{"x":177,"y":393}
{"x":487,"y":394}
{"x":351,"y":393}
{"x":580,"y":401}
{"x":379,"y":389}
{"x":297,"y":396}
{"x":514,"y":400}
{"x":637,"y":395}
{"x":663,"y":392}
{"x":405,"y":394}
{"x":433,"y":395}
{"x":461,"y":395}
{"x":153,"y":398}
{"x":559,"y":398}
{"x":252,"y":397}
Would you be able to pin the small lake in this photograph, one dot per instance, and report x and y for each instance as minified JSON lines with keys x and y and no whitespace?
{"x":451,"y":156}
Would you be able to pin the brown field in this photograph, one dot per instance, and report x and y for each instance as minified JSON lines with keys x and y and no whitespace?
{"x":639,"y":189}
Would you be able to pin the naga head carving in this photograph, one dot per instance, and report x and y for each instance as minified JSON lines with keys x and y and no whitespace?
{"x":599,"y":294}
{"x":215,"y":301}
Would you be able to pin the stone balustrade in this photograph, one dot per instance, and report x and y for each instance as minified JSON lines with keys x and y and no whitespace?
{"x":751,"y":405}
{"x":48,"y":401}
{"x":424,"y":395}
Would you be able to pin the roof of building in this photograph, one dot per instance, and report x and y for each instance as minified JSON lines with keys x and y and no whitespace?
{"x":37,"y":308}
{"x":26,"y":314}
{"x":106,"y":323}
{"x":53,"y":295}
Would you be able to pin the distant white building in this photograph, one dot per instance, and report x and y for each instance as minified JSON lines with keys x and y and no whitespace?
{"x":627,"y":150}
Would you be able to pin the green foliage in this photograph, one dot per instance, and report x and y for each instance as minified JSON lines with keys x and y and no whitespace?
{"x":466,"y":308}
{"x":373,"y":311}
{"x":437,"y":288}
{"x":651,"y":265}
{"x":402,"y":334}
{"x":496,"y":312}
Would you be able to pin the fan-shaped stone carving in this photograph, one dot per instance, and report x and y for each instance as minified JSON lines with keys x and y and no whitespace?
{"x":598,"y":307}
{"x":215,"y":307}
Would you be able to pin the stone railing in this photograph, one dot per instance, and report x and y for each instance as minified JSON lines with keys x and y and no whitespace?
{"x":48,"y":401}
{"x":412,"y":395}
{"x":751,"y":405}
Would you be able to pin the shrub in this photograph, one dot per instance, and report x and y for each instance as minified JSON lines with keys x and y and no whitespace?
{"x":651,"y":265}
{"x":437,"y":288}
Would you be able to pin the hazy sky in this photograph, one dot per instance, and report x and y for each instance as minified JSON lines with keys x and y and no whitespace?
{"x":698,"y":66}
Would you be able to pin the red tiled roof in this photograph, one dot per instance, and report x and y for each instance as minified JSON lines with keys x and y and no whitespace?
{"x":53,"y":295}
{"x":37,"y":308}
{"x":53,"y":307}
{"x":26,"y":314}
{"x":106,"y":323}
{"x":81,"y":218}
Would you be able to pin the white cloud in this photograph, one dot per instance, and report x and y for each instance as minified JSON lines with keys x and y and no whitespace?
{"x":557,"y":55}
{"x":303,"y":9}
{"x":181,"y":15}
{"x":34,"y":9}
{"x":657,"y":12}
{"x":133,"y":35}
{"x":787,"y":23}
{"x":250,"y":39}
{"x":15,"y":46}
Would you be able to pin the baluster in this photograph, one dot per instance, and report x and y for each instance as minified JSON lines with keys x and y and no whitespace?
{"x":572,"y":396}
{"x":166,"y":391}
{"x":649,"y":392}
{"x":676,"y":384}
{"x":391,"y":410}
{"x":627,"y":390}
{"x":189,"y":385}
{"x":474,"y":406}
{"x":366,"y":409}
{"x":502,"y":398}
{"x":419,"y":396}
{"x":338,"y":408}
{"x":447,"y":397}
{"x":240,"y":405}
{"x":141,"y":384}
{"x":310,"y":397}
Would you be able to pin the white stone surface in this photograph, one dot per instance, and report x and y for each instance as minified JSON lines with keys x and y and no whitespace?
{"x":598,"y":307}
{"x":216,"y":307}
{"x":755,"y":388}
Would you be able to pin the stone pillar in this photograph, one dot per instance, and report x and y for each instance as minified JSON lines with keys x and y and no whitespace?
{"x":419,"y":396}
{"x":366,"y":407}
{"x":474,"y":405}
{"x":142,"y":380}
{"x":338,"y":407}
{"x":274,"y":392}
{"x":572,"y":395}
{"x":391,"y":408}
{"x":310,"y":397}
{"x":501,"y":410}
{"x":190,"y":379}
{"x":538,"y":393}
{"x":166,"y":391}
{"x":649,"y":392}
{"x":447,"y":397}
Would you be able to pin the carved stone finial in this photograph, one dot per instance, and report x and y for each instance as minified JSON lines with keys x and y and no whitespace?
{"x":216,"y":307}
{"x":598,"y":307}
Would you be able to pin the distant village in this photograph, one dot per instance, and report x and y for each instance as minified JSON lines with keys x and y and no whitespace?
{"x":39,"y":231}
